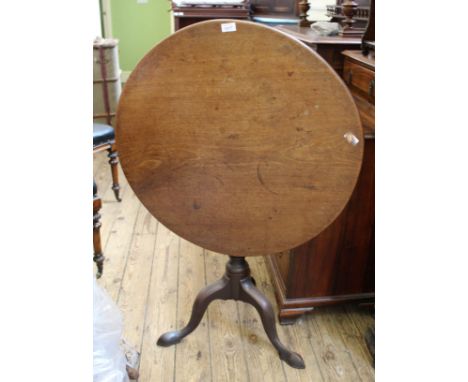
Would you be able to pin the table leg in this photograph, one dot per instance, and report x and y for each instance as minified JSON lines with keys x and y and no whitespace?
{"x":236,"y":284}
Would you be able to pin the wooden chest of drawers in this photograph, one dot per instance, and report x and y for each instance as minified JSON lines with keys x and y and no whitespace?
{"x":359,"y":75}
{"x":338,"y":265}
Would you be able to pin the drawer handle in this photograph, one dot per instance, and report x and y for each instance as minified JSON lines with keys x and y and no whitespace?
{"x":372,"y":88}
{"x":349,"y":79}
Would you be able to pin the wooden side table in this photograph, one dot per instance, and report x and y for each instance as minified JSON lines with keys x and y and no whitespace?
{"x":338,"y":265}
{"x":211,"y":151}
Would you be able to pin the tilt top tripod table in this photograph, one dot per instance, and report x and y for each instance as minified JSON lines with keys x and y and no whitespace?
{"x":243,"y":141}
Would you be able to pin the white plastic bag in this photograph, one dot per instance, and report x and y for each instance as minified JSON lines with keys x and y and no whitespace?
{"x":108,"y":357}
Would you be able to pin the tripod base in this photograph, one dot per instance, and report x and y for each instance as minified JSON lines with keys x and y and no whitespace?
{"x":236,"y":284}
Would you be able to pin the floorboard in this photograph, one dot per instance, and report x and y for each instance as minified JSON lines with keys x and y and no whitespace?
{"x":194,"y":350}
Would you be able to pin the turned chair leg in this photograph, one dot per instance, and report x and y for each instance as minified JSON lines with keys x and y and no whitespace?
{"x":114,"y":161}
{"x":98,"y":256}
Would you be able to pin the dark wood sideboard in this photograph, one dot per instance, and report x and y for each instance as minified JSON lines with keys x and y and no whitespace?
{"x":338,"y":265}
{"x":184,"y":16}
{"x":248,"y":10}
{"x":329,"y":47}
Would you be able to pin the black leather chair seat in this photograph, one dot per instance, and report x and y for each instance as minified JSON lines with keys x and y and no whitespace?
{"x":102,"y":134}
{"x":104,"y":139}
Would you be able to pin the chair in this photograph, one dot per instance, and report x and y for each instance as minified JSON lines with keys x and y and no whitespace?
{"x":104,"y":139}
{"x":98,"y":257}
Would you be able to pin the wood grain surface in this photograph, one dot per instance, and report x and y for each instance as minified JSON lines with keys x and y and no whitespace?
{"x":211,"y":150}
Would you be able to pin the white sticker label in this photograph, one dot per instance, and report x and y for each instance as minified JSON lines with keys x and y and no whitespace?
{"x":351,"y":138}
{"x":228,"y":27}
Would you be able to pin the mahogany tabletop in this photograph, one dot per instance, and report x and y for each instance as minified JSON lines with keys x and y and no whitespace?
{"x":239,"y":138}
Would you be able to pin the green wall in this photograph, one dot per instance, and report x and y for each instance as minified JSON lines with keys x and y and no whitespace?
{"x":139,"y":27}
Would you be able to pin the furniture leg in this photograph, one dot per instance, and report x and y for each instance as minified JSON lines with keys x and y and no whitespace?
{"x":236,"y":284}
{"x":98,"y":256}
{"x":218,"y":290}
{"x":114,"y":161}
{"x":253,"y":296}
{"x":291,"y":317}
{"x":369,"y":337}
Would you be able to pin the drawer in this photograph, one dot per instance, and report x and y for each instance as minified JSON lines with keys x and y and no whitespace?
{"x":360,"y":80}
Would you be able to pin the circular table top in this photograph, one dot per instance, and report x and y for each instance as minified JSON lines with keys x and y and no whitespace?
{"x":239,"y":138}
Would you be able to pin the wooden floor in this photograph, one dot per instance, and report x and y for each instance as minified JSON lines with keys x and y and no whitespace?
{"x":155,"y":275}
